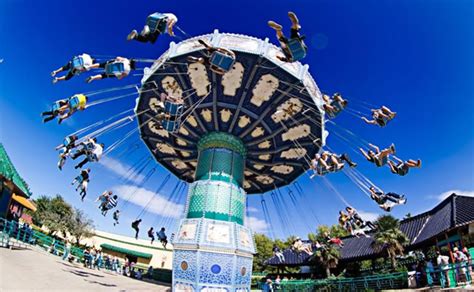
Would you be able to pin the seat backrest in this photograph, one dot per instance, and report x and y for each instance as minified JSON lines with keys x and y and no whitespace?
{"x":222,"y":61}
{"x":114,"y":68}
{"x":56,"y":106}
{"x":170,"y":126}
{"x":74,"y":102}
{"x":173,"y":109}
{"x":78,"y":62}
{"x":297,"y":49}
{"x":157,"y":22}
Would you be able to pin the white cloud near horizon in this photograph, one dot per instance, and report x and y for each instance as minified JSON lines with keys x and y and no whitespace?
{"x":257,"y":225}
{"x":446,"y":194}
{"x":121,"y":169}
{"x":368,"y":216}
{"x":251,"y":209}
{"x":157,"y":203}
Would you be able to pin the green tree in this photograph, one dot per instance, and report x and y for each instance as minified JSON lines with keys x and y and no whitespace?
{"x":389,"y":238}
{"x":54,"y":213}
{"x":80,"y":226}
{"x":58,"y":216}
{"x":264,"y":246}
{"x":328,"y":257}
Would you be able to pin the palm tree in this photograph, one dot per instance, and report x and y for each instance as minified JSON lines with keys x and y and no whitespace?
{"x":390,"y":238}
{"x":328,"y":257}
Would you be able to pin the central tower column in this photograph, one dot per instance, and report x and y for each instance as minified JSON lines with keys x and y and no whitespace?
{"x":213,"y":251}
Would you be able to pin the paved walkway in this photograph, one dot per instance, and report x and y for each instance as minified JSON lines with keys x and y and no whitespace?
{"x":36,"y":270}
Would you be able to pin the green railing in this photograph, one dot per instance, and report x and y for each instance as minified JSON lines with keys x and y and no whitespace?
{"x":24,"y":234}
{"x":449,"y":276}
{"x":376,"y":282}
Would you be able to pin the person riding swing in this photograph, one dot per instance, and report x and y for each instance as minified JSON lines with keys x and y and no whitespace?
{"x":119,"y":68}
{"x":294,"y":48}
{"x":218,"y":60}
{"x":65,"y":148}
{"x":79,"y":64}
{"x":402,"y":167}
{"x":58,"y":108}
{"x":380,"y":116}
{"x":75,"y":103}
{"x":379,"y":157}
{"x":386,"y":201}
{"x":156,"y":25}
{"x":335,"y":105}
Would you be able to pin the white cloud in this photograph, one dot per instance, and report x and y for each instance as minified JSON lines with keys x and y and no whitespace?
{"x":368,"y":216}
{"x":252,"y":210}
{"x":120,"y":169}
{"x":446,"y":194}
{"x":257,"y":225}
{"x":157,"y":203}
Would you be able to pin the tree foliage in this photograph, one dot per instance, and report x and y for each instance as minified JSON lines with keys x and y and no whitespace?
{"x":80,"y":226}
{"x":58,"y":216}
{"x":264,"y":246}
{"x":389,"y":238}
{"x":327,"y":256}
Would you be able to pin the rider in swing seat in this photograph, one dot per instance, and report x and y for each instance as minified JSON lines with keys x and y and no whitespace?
{"x":402,"y":167}
{"x":335,"y":105}
{"x":66,"y":148}
{"x":386,"y":201}
{"x":219,"y":60}
{"x":75,"y":103}
{"x":156,"y":25}
{"x":119,"y":68}
{"x":57,"y":109}
{"x":294,"y":48}
{"x":380,"y":116}
{"x":79,"y":64}
{"x":378,"y":157}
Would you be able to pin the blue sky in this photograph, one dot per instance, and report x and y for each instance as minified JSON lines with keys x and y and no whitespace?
{"x":412,"y":55}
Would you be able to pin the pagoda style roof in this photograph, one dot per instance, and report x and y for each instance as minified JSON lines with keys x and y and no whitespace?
{"x":9,"y":172}
{"x":453,"y":212}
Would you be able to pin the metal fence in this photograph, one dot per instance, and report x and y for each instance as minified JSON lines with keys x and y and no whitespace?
{"x":375,"y":282}
{"x":449,"y":276}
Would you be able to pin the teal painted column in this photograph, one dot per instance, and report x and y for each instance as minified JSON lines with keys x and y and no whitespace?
{"x":213,"y":250}
{"x":217,"y":192}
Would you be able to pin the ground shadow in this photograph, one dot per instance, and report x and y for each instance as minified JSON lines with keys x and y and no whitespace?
{"x":101,"y":284}
{"x":83,"y":273}
{"x":68,"y":265}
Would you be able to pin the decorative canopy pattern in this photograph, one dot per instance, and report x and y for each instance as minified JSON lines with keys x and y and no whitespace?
{"x":260,"y":101}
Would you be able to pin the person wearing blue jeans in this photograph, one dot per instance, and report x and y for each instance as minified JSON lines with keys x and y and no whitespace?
{"x":67,"y":249}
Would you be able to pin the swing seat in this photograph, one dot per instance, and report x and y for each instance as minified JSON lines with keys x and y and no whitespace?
{"x":116,"y":68}
{"x":171,"y":126}
{"x":78,"y":101}
{"x":78,"y":63}
{"x":66,"y":141}
{"x":338,"y":108}
{"x":221,"y":61}
{"x":173,"y":109}
{"x":56,"y":106}
{"x":157,"y":22}
{"x":296,"y":49}
{"x":89,"y":147}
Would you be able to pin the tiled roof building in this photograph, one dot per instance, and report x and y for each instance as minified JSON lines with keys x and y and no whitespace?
{"x":443,"y":224}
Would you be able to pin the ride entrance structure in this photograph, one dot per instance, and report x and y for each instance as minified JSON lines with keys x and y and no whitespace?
{"x":248,"y":129}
